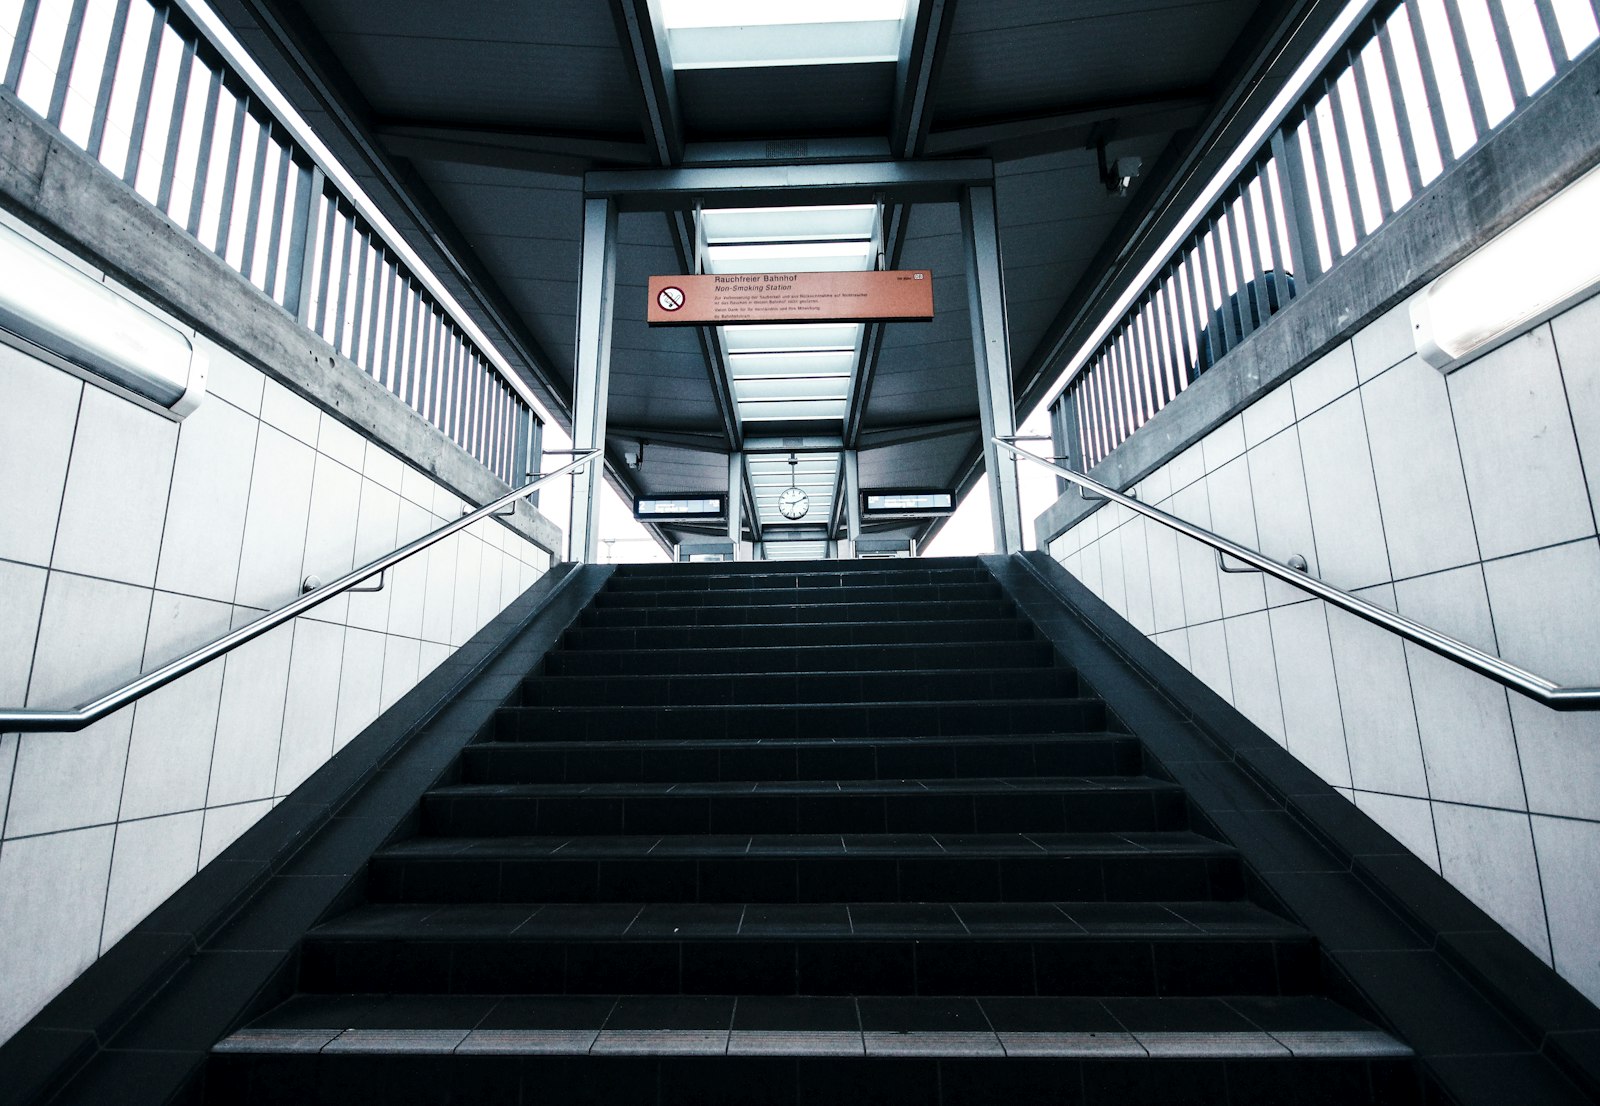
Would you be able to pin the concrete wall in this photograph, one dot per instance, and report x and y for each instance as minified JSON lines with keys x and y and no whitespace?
{"x":126,"y":540}
{"x":1466,"y":502}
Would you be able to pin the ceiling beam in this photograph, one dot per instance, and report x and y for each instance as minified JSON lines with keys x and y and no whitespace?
{"x":1073,"y":128}
{"x":920,"y":58}
{"x":644,"y":44}
{"x":883,"y":437}
{"x":897,"y":216}
{"x":694,"y":440}
{"x":753,"y":185}
{"x":508,"y":149}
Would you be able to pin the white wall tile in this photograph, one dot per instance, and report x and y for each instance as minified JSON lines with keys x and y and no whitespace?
{"x":1463,"y":720}
{"x":1324,"y":380}
{"x":1409,"y":820}
{"x":1577,"y":340}
{"x":1523,"y":477}
{"x":36,"y":426}
{"x":1254,"y":672}
{"x":1283,"y":519}
{"x":376,"y":524}
{"x":1135,"y":575}
{"x":433,"y":654}
{"x":464,"y":620}
{"x":416,"y":486}
{"x":445,"y":504}
{"x":250,"y":720}
{"x":1157,"y":487}
{"x":1571,"y":880}
{"x":384,"y":467}
{"x":1113,"y":586}
{"x":1272,"y":413}
{"x":439,"y":603}
{"x":1166,"y":582}
{"x":21,"y":603}
{"x":311,"y":703}
{"x":275,"y":521}
{"x":8,"y":762}
{"x":1488,"y":855}
{"x":1223,"y":444}
{"x":1187,"y":467}
{"x":401,"y":656}
{"x":67,"y":780}
{"x":336,"y":440}
{"x":210,"y":493}
{"x":51,"y":937}
{"x":1089,"y":566}
{"x":408,"y":581}
{"x":1380,"y":719}
{"x":360,"y":684}
{"x":1384,"y":342}
{"x":1208,"y":658}
{"x":111,"y":513}
{"x":1344,"y":505}
{"x":290,"y":413}
{"x":1422,"y":491}
{"x":169,"y":756}
{"x":153,"y":857}
{"x":225,"y":824}
{"x":1312,"y":722}
{"x":331,"y":531}
{"x":229,"y":378}
{"x":91,"y":639}
{"x":1233,"y":516}
{"x":1546,"y":607}
{"x":1176,"y":645}
{"x":1197,"y":563}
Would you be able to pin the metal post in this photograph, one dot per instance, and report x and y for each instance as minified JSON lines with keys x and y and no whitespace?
{"x":852,"y":501}
{"x":991,"y":355}
{"x":592,"y":374}
{"x":736,"y":501}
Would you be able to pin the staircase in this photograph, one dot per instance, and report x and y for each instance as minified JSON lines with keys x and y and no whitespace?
{"x":812,"y":834}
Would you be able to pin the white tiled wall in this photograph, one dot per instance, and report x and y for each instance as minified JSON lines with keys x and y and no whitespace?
{"x":127,"y":540}
{"x":1466,"y":502}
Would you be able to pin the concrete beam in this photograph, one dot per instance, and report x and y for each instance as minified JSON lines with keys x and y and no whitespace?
{"x":71,"y":198}
{"x":753,"y":185}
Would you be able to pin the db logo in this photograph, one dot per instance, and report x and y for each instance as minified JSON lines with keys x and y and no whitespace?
{"x":670,"y":299}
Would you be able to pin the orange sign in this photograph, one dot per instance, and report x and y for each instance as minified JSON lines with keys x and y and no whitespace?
{"x":791,"y":298}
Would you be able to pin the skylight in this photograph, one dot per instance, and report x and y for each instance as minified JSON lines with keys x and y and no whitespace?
{"x":727,"y":34}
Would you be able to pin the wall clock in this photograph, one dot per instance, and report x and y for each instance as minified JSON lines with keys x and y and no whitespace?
{"x":793,"y":503}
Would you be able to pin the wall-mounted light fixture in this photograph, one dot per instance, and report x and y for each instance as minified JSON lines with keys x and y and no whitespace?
{"x":1543,"y":263}
{"x":56,"y":312}
{"x":1117,"y":175}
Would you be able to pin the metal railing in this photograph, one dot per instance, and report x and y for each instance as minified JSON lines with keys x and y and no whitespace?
{"x":1416,"y":87}
{"x":137,"y":86}
{"x":33,"y":720}
{"x":1484,"y":664}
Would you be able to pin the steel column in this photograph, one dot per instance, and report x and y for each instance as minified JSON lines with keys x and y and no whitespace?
{"x":851,"y":462}
{"x":736,"y":501}
{"x":991,"y":355}
{"x":592,"y":374}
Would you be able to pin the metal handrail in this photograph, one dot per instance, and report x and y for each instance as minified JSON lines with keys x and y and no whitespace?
{"x":1502,"y":672}
{"x":31,"y":720}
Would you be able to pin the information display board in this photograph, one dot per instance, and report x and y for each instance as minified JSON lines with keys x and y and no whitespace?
{"x":713,"y":299}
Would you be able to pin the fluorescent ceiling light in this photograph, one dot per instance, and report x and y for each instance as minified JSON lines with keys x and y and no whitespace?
{"x":787,"y":338}
{"x":82,"y":325}
{"x":817,"y":363}
{"x":767,"y":13}
{"x":794,"y":257}
{"x":1542,"y":263}
{"x":727,"y":34}
{"x":788,"y":224}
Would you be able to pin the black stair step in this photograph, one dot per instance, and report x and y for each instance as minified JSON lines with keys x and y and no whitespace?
{"x":973,"y":591}
{"x":808,"y":869}
{"x":833,"y":720}
{"x":793,"y":635}
{"x":1080,"y":949}
{"x":970,"y":685}
{"x":1098,"y":754}
{"x":812,"y":570}
{"x":800,"y":613}
{"x":781,"y":578}
{"x":813,"y":658}
{"x":1039,"y":804}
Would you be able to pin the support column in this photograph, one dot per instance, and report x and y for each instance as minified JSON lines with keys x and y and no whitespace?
{"x":736,"y":501}
{"x":852,"y":498}
{"x":592,"y":376}
{"x":991,"y":354}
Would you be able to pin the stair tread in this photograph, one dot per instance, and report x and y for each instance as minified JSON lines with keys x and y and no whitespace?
{"x":977,"y":786}
{"x":733,"y":1025}
{"x":1087,"y":737}
{"x":861,"y":704}
{"x":663,"y":846}
{"x":844,"y":673}
{"x":736,"y":922}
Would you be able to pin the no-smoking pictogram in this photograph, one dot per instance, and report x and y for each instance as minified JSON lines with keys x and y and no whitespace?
{"x":670,"y":298}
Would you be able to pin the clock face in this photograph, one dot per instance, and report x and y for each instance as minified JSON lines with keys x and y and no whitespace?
{"x":793,"y":503}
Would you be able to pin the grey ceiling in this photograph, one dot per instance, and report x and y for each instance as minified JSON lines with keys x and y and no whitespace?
{"x":1031,"y":83}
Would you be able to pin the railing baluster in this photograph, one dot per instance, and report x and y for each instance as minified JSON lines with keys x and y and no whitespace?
{"x":108,"y":77}
{"x":19,"y":46}
{"x":1344,"y":141}
{"x":1405,"y":134}
{"x":64,"y":63}
{"x":180,"y":101}
{"x":1260,"y":253}
{"x":1328,"y":200}
{"x":1509,"y":61}
{"x":230,"y":179}
{"x":202,"y":169}
{"x":1430,"y":80}
{"x":1550,"y":28}
{"x":1305,"y":258}
{"x":258,"y":181}
{"x":1470,"y":81}
{"x":1369,"y":123}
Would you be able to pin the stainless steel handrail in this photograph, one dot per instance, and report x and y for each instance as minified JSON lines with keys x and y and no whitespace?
{"x":33,"y":720}
{"x":1517,"y":679}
